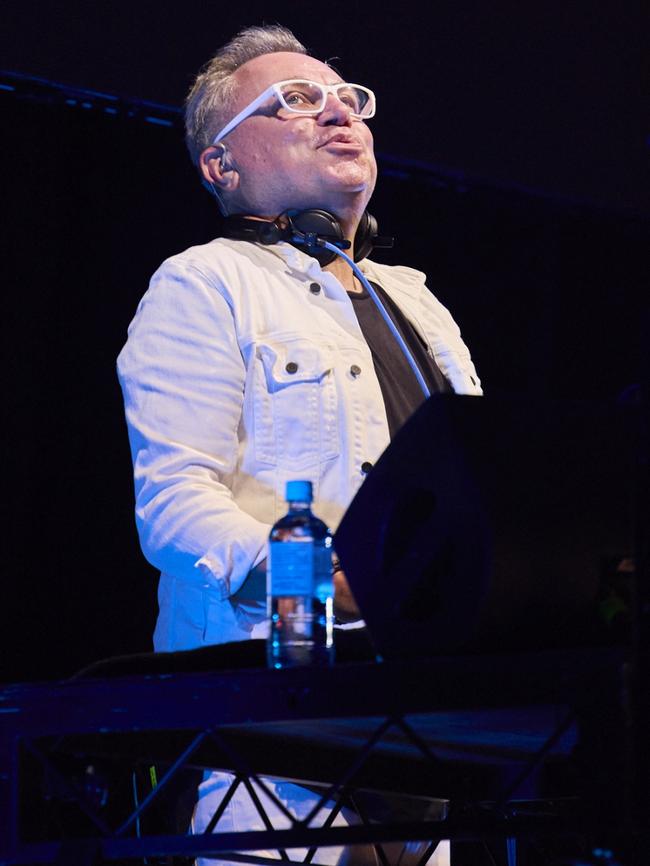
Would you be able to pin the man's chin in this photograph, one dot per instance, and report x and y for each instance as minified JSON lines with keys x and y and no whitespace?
{"x":349,"y":180}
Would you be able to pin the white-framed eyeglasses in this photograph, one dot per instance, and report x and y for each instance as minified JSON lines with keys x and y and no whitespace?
{"x":300,"y":96}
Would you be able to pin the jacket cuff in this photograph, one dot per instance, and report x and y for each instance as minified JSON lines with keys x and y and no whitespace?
{"x":225,"y":571}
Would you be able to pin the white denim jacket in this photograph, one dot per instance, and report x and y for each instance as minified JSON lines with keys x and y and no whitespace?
{"x":238,"y":376}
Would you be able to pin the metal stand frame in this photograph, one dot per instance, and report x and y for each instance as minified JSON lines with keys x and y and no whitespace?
{"x":42,"y":724}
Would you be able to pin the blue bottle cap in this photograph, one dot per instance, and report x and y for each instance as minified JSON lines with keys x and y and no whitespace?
{"x":299,"y":491}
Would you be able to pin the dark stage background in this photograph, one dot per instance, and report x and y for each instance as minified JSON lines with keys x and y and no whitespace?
{"x":549,"y":287}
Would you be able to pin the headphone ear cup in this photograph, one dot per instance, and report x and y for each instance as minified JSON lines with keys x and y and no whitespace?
{"x":270,"y":233}
{"x":318,"y":222}
{"x":367,"y":231}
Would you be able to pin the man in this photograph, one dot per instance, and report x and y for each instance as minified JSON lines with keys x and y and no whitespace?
{"x":248,"y":365}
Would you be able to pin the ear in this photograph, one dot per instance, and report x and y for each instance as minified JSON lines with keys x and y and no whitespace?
{"x":217,"y":169}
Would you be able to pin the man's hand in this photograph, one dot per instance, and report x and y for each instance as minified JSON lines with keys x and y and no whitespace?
{"x":254,"y":587}
{"x":345,"y":607}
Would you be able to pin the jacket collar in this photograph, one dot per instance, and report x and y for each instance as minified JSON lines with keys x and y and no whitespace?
{"x":406,"y":280}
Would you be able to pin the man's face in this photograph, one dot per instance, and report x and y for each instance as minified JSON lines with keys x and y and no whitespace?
{"x":285,"y":160}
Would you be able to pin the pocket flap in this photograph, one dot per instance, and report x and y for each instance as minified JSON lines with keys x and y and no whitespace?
{"x":287,"y":363}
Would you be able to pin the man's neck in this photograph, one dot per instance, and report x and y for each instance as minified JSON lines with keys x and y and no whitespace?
{"x":349,"y":219}
{"x":344,"y":274}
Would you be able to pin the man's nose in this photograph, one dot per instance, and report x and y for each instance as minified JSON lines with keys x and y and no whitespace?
{"x":335,"y":112}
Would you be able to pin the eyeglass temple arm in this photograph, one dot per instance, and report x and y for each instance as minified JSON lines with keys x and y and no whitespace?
{"x":243,"y":114}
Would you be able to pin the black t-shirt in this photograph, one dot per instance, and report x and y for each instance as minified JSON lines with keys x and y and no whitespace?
{"x":399,"y":387}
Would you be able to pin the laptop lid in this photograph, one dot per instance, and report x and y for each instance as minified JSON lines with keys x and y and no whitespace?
{"x":486,"y":524}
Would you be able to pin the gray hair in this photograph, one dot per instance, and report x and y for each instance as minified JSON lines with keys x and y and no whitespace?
{"x":209,"y":103}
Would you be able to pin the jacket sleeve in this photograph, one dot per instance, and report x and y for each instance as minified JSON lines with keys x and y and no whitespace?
{"x":182,"y":375}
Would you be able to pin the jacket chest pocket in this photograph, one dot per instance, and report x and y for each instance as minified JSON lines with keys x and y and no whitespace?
{"x":294,"y":408}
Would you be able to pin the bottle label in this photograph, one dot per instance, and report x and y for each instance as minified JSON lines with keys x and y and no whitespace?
{"x":292,"y":567}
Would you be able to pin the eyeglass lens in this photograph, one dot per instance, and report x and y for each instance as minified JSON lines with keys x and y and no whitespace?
{"x":309,"y":96}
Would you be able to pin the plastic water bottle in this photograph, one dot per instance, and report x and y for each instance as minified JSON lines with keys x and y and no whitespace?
{"x":300,"y":586}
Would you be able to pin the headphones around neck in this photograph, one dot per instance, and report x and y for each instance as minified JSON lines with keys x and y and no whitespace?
{"x":306,"y":230}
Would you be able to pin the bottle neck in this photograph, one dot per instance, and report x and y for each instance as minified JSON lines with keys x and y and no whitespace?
{"x":298,"y":505}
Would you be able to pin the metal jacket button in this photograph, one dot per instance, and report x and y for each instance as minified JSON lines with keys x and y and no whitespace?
{"x":356,"y":371}
{"x":314,"y":288}
{"x":291,"y":367}
{"x":366,"y":466}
